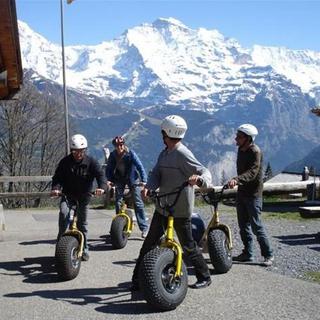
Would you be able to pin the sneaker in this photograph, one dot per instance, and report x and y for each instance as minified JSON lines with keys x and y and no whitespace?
{"x":85,"y":256}
{"x":268,"y":261}
{"x":243,"y":257}
{"x":200,"y":284}
{"x":144,"y":233}
{"x":134,"y":286}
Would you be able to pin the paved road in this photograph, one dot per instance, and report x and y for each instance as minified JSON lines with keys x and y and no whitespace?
{"x":29,"y":287}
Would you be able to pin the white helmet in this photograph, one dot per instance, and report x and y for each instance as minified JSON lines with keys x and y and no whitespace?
{"x":174,"y":126}
{"x":249,"y":130}
{"x":78,"y":141}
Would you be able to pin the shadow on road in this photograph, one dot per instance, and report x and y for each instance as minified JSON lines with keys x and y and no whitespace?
{"x":34,"y":270}
{"x":104,"y":243}
{"x":34,"y":242}
{"x":299,"y":239}
{"x":116,"y":300}
{"x":101,"y":244}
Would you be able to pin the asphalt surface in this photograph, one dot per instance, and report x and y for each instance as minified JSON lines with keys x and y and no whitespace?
{"x":30,"y":288}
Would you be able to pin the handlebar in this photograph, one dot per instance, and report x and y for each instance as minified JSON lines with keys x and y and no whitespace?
{"x":155,"y":195}
{"x":213,"y":197}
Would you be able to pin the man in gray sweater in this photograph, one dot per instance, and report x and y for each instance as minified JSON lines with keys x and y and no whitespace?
{"x":176,"y":164}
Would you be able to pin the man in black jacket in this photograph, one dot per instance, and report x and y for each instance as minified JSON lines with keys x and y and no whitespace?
{"x":249,"y":195}
{"x":74,"y":178}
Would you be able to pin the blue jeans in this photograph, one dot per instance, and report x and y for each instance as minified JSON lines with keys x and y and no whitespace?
{"x":249,"y":220}
{"x":137,"y":201}
{"x":82,"y":223}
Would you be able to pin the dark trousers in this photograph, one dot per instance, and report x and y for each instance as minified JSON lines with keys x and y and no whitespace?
{"x":66,"y":206}
{"x":183,"y":229}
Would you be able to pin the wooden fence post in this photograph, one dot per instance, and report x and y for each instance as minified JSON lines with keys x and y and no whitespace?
{"x":2,"y":221}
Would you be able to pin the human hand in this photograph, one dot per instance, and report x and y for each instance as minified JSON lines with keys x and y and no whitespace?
{"x":55,"y":193}
{"x":99,"y":192}
{"x":232,"y":183}
{"x":144,"y":192}
{"x":109,"y":184}
{"x":195,"y":180}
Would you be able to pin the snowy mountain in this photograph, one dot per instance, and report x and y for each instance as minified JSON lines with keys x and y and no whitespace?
{"x":165,"y":67}
{"x":167,"y":63}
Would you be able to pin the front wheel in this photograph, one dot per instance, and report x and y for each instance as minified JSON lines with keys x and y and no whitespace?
{"x":118,"y":234}
{"x":67,"y":261}
{"x":160,"y":287}
{"x":219,"y":251}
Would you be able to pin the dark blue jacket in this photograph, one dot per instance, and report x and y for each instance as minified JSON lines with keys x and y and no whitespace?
{"x":134,"y":169}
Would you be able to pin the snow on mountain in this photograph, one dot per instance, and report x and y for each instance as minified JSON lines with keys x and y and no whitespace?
{"x":170,"y":64}
{"x":302,"y":67}
{"x":166,"y":67}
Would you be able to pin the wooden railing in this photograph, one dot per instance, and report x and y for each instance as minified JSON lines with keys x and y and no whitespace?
{"x":269,"y":188}
{"x":24,"y":179}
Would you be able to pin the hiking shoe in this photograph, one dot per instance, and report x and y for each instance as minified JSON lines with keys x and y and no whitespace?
{"x":200,"y":284}
{"x":134,"y":286}
{"x":85,"y":256}
{"x":267,"y":262}
{"x":243,"y":257}
{"x":144,"y":233}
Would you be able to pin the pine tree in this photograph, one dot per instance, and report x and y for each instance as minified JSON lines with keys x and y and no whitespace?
{"x":268,"y":173}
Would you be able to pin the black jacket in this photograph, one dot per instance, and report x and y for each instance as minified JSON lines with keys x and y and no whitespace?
{"x":76,"y":178}
{"x":249,"y":169}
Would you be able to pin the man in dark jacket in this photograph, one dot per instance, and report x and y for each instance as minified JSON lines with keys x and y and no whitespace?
{"x":249,"y":195}
{"x":125,"y":168}
{"x":74,"y":178}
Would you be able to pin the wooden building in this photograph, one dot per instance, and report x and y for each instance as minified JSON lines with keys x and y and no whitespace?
{"x":11,"y":73}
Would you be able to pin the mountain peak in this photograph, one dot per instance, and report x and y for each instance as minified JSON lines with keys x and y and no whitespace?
{"x":167,"y":22}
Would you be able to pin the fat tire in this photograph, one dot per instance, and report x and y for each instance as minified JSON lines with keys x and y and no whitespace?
{"x":67,"y":263}
{"x":119,"y":237}
{"x":219,"y":252}
{"x":153,"y":268}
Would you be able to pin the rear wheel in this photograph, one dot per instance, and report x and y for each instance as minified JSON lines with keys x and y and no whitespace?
{"x":220,"y":254}
{"x":160,"y":287}
{"x":119,"y":236}
{"x":67,"y":261}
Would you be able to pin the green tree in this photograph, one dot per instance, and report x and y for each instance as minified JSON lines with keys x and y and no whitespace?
{"x":31,"y":136}
{"x":268,"y":173}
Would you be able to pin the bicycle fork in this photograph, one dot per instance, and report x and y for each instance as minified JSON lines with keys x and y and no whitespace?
{"x":173,"y":245}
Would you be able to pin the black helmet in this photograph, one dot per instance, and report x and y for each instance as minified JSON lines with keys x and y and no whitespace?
{"x":118,"y":140}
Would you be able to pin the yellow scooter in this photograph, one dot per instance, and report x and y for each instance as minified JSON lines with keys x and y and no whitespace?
{"x":163,"y":275}
{"x":121,"y":227}
{"x":217,"y":237}
{"x":69,"y":248}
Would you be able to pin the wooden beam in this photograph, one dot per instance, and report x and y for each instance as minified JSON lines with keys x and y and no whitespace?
{"x":20,"y":195}
{"x":268,"y":188}
{"x":10,"y":48}
{"x":25,"y":179}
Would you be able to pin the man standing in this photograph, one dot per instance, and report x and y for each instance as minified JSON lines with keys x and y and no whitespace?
{"x":74,"y":178}
{"x":176,"y":164}
{"x":125,"y":168}
{"x":249,"y":195}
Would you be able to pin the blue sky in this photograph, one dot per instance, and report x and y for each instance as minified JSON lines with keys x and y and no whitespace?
{"x":292,"y":24}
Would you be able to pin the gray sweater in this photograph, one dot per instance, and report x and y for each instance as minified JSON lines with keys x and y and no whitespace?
{"x":172,"y":169}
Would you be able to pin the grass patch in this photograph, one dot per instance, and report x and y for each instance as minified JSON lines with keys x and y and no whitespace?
{"x":199,"y":202}
{"x":313,"y":275}
{"x":295,"y":216}
{"x":269,"y":199}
